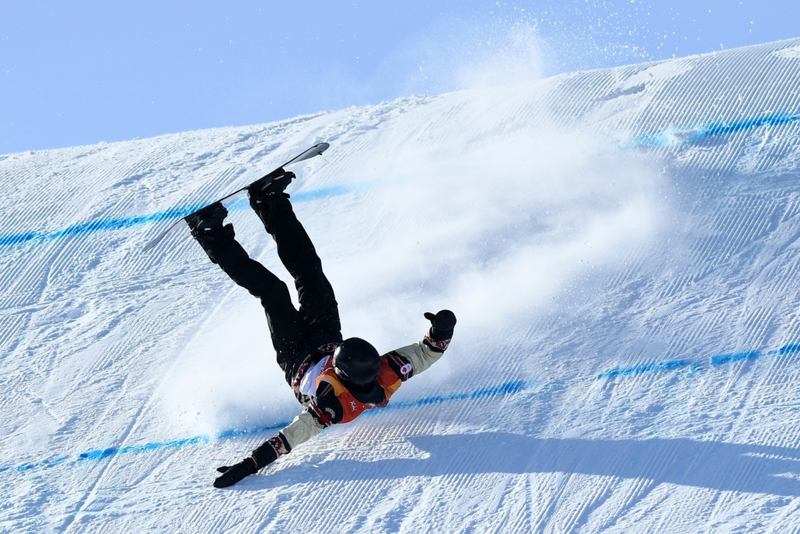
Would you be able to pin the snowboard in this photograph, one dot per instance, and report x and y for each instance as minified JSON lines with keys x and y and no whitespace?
{"x":309,"y":153}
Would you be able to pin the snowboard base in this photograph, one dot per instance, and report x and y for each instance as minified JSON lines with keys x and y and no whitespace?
{"x":309,"y":153}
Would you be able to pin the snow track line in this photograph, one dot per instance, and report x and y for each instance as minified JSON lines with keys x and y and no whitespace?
{"x":502,"y":390}
{"x":120,"y":223}
{"x":659,"y":140}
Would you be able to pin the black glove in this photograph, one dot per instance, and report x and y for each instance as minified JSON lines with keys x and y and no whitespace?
{"x":442,"y":324}
{"x":234,"y":473}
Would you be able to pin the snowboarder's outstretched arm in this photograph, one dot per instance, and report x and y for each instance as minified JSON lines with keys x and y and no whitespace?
{"x":425,"y":353}
{"x":325,"y":409}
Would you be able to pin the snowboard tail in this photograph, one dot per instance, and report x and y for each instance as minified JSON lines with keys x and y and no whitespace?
{"x":309,"y":153}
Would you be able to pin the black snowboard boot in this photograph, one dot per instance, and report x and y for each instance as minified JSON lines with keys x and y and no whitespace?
{"x":207,"y":228}
{"x":207,"y":221}
{"x":275,"y":182}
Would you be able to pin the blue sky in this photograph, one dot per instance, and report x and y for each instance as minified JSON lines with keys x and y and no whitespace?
{"x":82,"y":72}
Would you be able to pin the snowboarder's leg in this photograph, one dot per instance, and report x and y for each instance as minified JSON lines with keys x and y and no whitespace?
{"x":319,"y":310}
{"x":222,"y":248}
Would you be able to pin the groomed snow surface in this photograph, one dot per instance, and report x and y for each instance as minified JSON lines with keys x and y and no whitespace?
{"x":621,"y":249}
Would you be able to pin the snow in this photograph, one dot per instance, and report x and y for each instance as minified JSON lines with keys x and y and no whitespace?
{"x":789,"y":53}
{"x":620,"y":247}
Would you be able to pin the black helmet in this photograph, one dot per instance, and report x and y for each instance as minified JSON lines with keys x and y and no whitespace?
{"x":357,"y":361}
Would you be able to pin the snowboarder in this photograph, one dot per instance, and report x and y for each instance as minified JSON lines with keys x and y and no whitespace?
{"x":334,"y":379}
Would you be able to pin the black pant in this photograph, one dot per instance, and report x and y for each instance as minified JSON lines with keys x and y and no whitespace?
{"x":294,"y":332}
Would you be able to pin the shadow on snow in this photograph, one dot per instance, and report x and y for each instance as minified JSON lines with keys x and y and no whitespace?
{"x":711,"y":465}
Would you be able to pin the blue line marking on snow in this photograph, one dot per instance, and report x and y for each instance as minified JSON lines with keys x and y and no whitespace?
{"x":722,"y":359}
{"x":18,"y":238}
{"x":694,"y":365}
{"x":509,"y":388}
{"x":789,"y":349}
{"x":100,"y":225}
{"x":506,"y":389}
{"x":646,"y":368}
{"x":681,"y":136}
{"x":321,"y":193}
{"x":173,"y":214}
{"x":102,"y":454}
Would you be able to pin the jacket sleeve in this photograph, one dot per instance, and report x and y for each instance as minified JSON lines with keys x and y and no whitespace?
{"x":305,"y":426}
{"x":418,"y":357}
{"x":323,"y":411}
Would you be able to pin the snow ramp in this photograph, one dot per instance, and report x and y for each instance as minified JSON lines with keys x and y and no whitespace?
{"x":621,"y":249}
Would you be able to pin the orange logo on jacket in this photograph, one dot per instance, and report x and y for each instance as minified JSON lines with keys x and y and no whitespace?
{"x":351,"y":406}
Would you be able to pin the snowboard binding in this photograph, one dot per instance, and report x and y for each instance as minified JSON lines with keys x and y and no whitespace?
{"x":275,"y":182}
{"x":207,"y":220}
{"x":202,"y":222}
